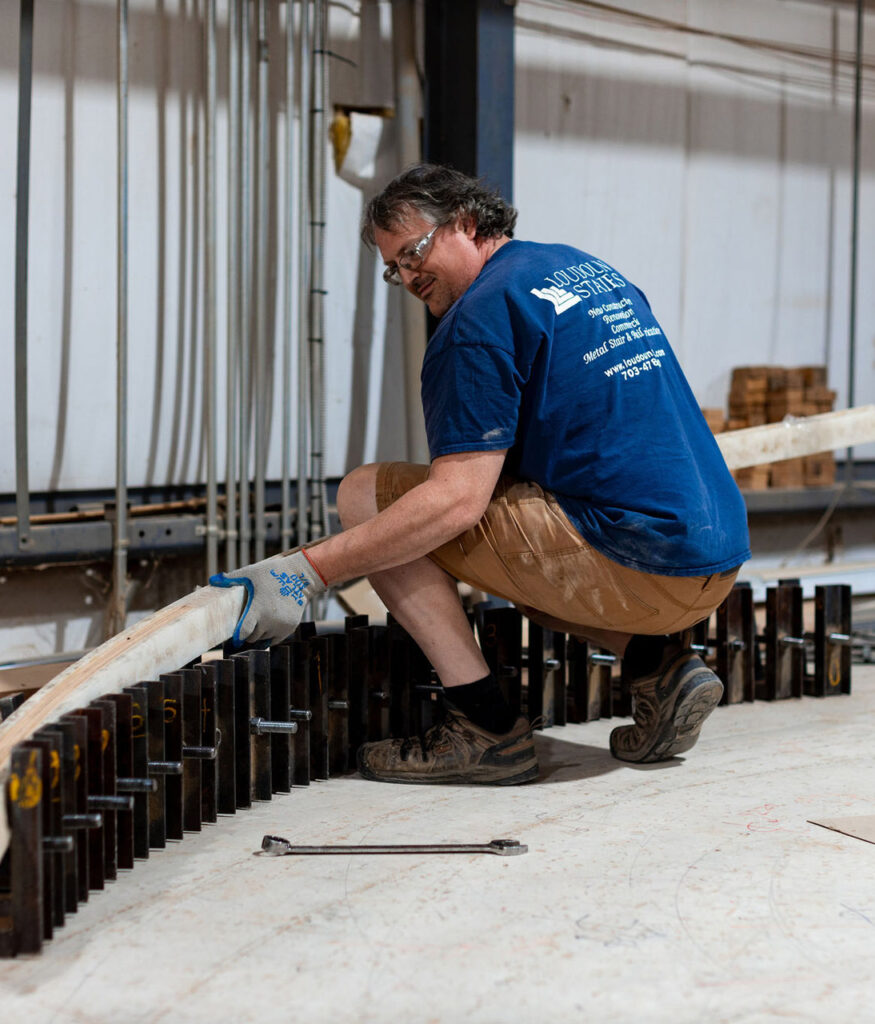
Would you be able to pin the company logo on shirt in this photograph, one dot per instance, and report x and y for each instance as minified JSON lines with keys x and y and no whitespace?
{"x":561,"y":299}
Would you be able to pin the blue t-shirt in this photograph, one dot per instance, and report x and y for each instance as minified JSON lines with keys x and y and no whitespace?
{"x":554,"y":355}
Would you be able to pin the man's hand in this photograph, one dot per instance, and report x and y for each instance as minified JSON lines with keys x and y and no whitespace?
{"x":279,"y":588}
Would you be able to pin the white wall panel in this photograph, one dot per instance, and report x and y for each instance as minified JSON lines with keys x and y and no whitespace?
{"x":713,"y":168}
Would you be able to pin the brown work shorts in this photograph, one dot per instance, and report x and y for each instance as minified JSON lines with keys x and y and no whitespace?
{"x":526,"y":550}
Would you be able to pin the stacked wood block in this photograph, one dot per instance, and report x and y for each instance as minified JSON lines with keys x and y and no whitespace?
{"x":768,"y":394}
{"x":748,"y":397}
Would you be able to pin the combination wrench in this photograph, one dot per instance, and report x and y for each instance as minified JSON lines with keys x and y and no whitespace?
{"x":276,"y":846}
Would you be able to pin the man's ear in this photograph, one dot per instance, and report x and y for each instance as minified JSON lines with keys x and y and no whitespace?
{"x":467,"y":224}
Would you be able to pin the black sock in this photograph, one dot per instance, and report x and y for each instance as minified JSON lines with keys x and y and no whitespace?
{"x":644,"y":654}
{"x":483,"y":703}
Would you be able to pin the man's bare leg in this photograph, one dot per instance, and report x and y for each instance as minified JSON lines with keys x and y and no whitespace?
{"x":420,"y":595}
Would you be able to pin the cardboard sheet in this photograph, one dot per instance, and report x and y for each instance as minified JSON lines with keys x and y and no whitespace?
{"x":858,"y":827}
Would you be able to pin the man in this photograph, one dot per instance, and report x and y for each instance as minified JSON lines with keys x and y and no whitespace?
{"x":571,"y":473}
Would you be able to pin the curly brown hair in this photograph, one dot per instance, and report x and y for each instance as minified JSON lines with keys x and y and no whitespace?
{"x":440,"y":194}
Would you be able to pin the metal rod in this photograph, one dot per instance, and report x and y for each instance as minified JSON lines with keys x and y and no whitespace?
{"x":855,"y":217}
{"x":245,"y":265}
{"x":262,"y":158}
{"x":233,"y":286}
{"x":210,"y":288}
{"x":304,"y":59}
{"x":317,"y":285}
{"x":22,"y":219}
{"x":829,"y":255}
{"x":288,"y":307}
{"x":303,"y":141}
{"x":120,"y":543}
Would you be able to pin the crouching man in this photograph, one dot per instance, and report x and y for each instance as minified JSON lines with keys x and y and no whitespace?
{"x":571,"y":473}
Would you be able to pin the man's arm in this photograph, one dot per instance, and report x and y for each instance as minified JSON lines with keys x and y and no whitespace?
{"x":452,"y":500}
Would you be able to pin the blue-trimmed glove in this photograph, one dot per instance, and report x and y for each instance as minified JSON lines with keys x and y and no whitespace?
{"x":278,"y":590}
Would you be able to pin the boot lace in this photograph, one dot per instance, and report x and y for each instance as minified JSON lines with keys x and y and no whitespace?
{"x":428,"y":739}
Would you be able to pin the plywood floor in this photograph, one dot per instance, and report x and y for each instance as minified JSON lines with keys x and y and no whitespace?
{"x":688,"y":892}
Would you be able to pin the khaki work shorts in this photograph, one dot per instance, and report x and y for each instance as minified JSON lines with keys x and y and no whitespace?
{"x":526,"y":551}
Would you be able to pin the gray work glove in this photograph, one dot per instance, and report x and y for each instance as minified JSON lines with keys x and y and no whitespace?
{"x":279,"y":588}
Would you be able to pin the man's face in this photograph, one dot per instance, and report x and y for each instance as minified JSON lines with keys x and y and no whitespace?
{"x":452,"y":262}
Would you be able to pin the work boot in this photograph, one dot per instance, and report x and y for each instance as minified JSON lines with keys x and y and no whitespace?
{"x":454,"y":751}
{"x":669,"y":708}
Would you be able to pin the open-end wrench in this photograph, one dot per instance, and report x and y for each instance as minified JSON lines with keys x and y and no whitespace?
{"x":276,"y":846}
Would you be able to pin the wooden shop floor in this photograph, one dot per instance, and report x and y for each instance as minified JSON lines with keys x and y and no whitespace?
{"x":693,"y":891}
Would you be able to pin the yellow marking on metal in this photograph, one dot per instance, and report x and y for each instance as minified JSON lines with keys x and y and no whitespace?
{"x":834,"y":670}
{"x":28,"y":792}
{"x":170,"y":710}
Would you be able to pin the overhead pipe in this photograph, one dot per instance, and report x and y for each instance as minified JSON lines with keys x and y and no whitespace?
{"x":288,"y":233}
{"x":118,"y":609}
{"x":407,"y":116}
{"x":318,"y":502}
{"x":243,"y":284}
{"x":210,"y":289}
{"x":22,"y":219}
{"x":232,"y":325}
{"x":855,"y":226}
{"x":305,"y":44}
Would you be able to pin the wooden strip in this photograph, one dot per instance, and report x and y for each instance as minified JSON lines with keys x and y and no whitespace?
{"x":791,"y":439}
{"x":162,"y":642}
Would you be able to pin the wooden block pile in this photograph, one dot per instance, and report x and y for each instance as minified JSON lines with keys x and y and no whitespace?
{"x":768,"y":394}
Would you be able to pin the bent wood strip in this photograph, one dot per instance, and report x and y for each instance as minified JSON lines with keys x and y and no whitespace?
{"x":162,"y":642}
{"x":182,"y":631}
{"x":807,"y":435}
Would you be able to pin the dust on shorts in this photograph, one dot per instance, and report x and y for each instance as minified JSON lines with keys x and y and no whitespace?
{"x":526,"y":550}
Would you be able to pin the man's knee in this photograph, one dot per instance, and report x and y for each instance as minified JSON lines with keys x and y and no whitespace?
{"x":357,"y":496}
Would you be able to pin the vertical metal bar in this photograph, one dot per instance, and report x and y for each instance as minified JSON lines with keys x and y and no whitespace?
{"x":304,"y":59}
{"x":24,"y":794}
{"x":210,"y":287}
{"x":245,"y":265}
{"x":140,"y":765}
{"x":233,"y":286}
{"x":288,"y":233}
{"x":226,"y":795}
{"x":855,"y":218}
{"x":120,"y":545}
{"x":260,"y":780}
{"x":317,"y":286}
{"x":22,"y":218}
{"x":208,"y":719}
{"x":829,"y":255}
{"x":262,"y":157}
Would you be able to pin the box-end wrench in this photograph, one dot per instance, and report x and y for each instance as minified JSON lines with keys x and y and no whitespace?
{"x":276,"y":846}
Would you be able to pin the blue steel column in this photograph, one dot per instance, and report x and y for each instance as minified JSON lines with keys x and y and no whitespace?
{"x":469,"y":93}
